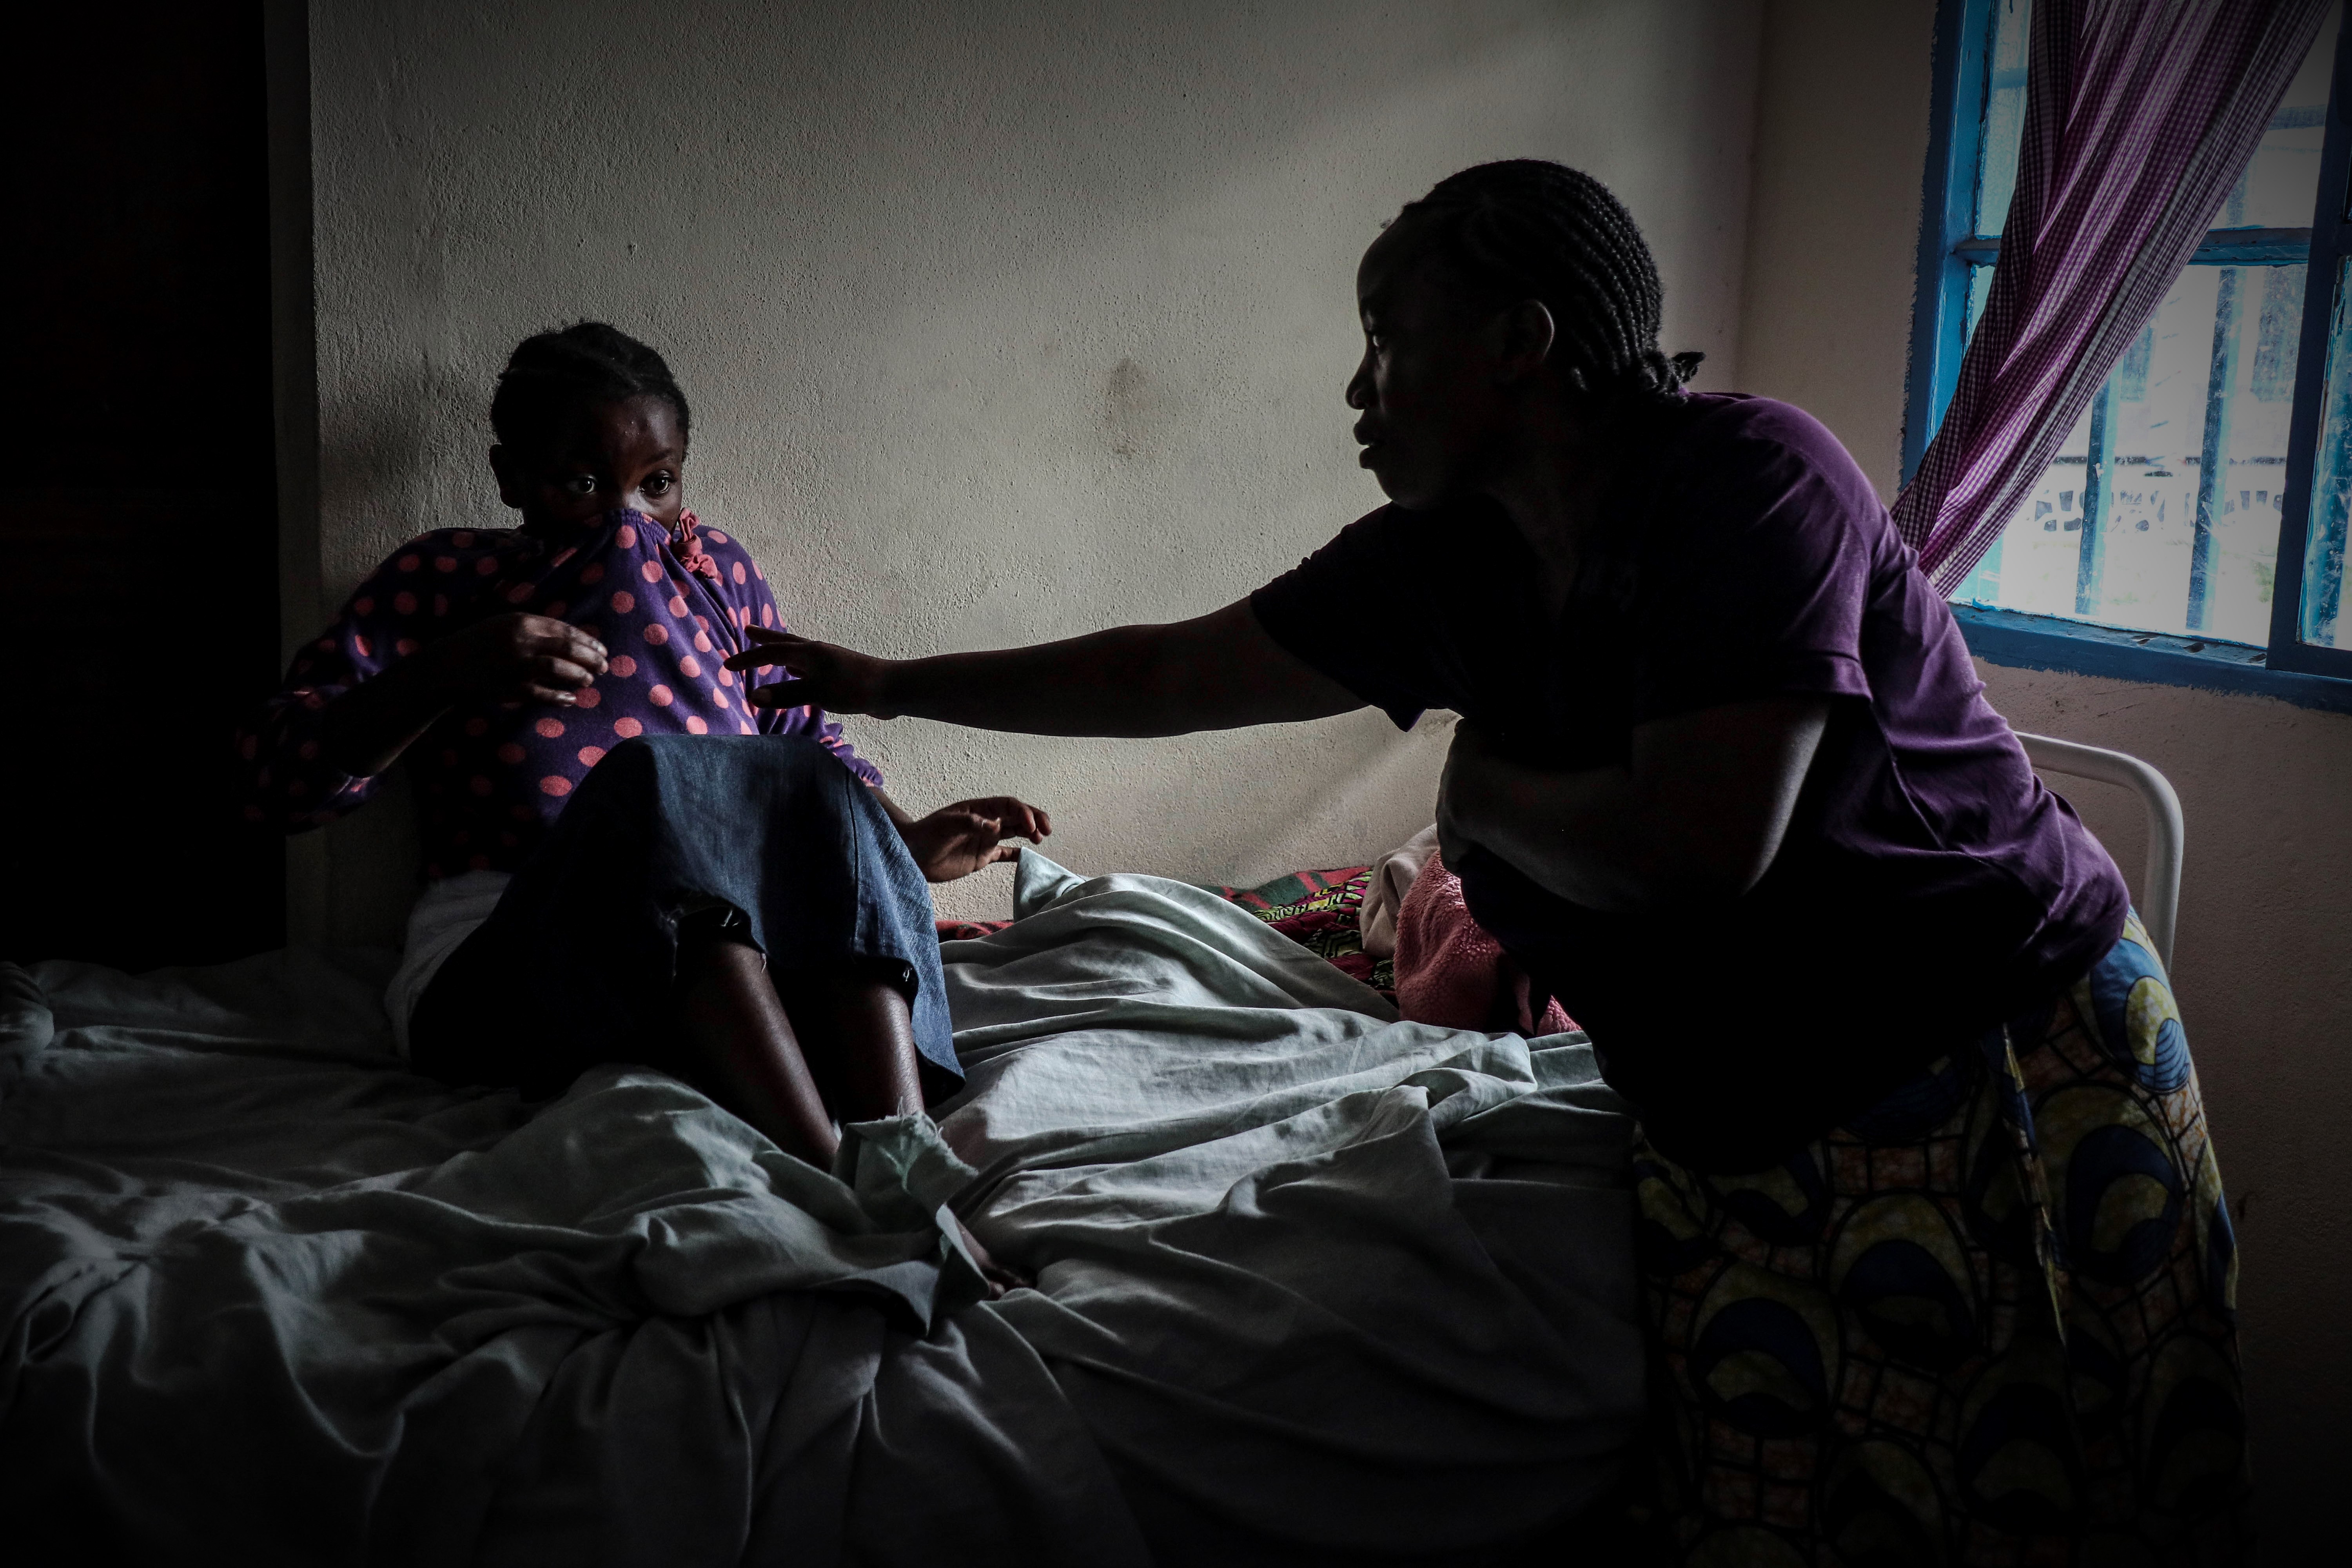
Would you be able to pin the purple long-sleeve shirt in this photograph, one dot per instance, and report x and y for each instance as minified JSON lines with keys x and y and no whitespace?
{"x":670,"y":604}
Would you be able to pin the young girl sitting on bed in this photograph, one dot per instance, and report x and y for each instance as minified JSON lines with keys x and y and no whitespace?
{"x":626,"y":861}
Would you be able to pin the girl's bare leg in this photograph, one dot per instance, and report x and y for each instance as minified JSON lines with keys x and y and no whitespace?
{"x":863,"y":1034}
{"x":740,"y":1046}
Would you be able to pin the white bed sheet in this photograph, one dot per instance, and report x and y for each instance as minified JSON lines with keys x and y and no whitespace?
{"x":1335,"y":1280}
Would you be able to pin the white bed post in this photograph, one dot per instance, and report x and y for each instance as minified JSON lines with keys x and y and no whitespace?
{"x":2159,"y":900}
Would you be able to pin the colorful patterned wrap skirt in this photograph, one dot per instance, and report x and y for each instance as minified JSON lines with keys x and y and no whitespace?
{"x":1992,"y":1320}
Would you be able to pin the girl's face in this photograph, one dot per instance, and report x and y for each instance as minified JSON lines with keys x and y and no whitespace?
{"x":1433,"y":385}
{"x":611,"y":456}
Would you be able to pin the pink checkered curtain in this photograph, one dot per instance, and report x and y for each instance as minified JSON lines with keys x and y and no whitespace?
{"x":2139,"y":115}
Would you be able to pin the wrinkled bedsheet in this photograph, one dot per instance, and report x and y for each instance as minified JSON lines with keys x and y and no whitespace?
{"x":1328,"y":1278}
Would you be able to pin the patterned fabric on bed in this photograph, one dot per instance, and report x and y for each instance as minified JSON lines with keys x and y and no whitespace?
{"x":1316,"y":910}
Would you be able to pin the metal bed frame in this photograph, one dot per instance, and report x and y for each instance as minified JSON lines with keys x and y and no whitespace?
{"x":2160,"y":899}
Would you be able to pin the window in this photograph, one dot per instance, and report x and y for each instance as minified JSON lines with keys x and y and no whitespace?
{"x":2192,"y":527}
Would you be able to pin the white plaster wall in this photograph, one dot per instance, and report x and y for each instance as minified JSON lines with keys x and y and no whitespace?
{"x":1834,"y":226}
{"x":1001,"y":322}
{"x":2263,"y":959}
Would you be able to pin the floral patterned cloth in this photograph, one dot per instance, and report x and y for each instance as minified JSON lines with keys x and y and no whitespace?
{"x":1992,"y":1320}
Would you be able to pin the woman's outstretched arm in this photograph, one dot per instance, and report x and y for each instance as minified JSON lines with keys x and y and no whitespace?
{"x":1220,"y":671}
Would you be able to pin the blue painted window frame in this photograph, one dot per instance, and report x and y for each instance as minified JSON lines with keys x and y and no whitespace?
{"x":2288,"y":668}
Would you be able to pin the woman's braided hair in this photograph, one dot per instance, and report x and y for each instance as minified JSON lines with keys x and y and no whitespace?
{"x":1527,"y":228}
{"x":552,"y":374}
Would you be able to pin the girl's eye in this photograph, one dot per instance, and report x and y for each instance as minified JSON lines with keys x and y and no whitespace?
{"x":658,"y":484}
{"x":581,"y":484}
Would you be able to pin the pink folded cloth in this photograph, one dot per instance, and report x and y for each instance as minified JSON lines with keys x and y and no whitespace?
{"x":1451,"y":972}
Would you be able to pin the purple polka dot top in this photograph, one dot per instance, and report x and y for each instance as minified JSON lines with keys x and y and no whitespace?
{"x":669,"y":606}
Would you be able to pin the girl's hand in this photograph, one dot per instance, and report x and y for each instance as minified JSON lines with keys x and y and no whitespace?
{"x":833,"y":678}
{"x":514,"y":659}
{"x":957,"y":840}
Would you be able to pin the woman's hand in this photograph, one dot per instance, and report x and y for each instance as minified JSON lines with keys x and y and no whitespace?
{"x":513,"y":659}
{"x":821,"y":675}
{"x":957,"y":840}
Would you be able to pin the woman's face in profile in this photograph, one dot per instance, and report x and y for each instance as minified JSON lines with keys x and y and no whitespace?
{"x":1428,"y":388}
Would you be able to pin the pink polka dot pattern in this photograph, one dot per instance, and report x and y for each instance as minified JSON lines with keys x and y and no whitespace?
{"x":492,"y":776}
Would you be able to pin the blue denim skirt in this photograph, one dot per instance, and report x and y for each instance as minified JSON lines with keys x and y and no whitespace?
{"x":577,"y":965}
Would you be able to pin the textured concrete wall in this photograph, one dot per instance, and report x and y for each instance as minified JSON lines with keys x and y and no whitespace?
{"x":1832,"y":232}
{"x":2261,"y":964}
{"x":1001,"y":322}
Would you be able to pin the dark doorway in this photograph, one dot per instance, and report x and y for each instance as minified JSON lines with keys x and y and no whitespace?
{"x":139,"y":560}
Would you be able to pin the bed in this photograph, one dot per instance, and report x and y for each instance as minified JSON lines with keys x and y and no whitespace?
{"x":1313,"y":1284}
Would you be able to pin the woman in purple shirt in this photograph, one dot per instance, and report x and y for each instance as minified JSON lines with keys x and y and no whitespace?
{"x":626,"y":861}
{"x":1937,"y":1263}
